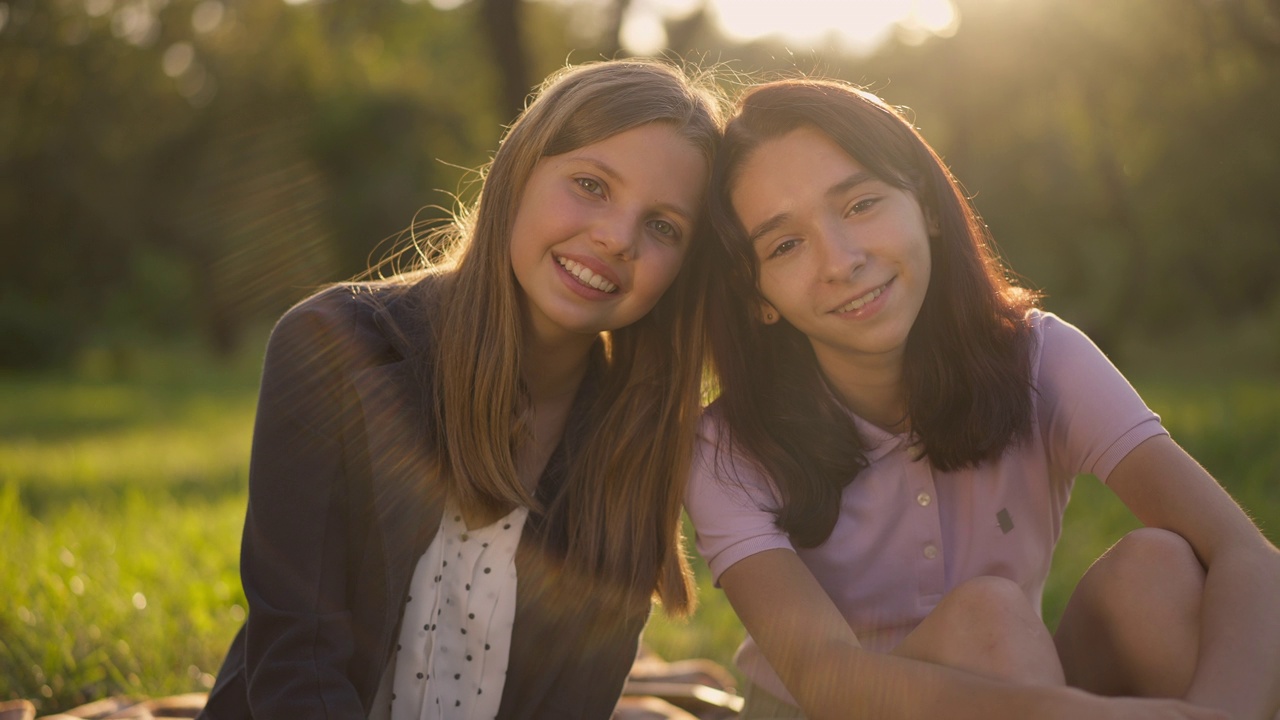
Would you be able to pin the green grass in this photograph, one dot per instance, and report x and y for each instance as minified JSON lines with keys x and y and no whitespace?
{"x":122,"y":491}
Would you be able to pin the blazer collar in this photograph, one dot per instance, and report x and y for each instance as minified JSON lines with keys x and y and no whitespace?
{"x":395,"y":409}
{"x":404,"y":320}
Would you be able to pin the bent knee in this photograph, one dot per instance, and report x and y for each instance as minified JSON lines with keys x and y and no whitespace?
{"x":1150,"y":546}
{"x":1150,"y":561}
{"x":1150,"y":578}
{"x":987,"y":596}
{"x":1132,"y":625}
{"x":988,"y":625}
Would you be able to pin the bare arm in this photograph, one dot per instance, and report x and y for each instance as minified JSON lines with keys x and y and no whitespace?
{"x":1238,"y":668}
{"x":820,"y":661}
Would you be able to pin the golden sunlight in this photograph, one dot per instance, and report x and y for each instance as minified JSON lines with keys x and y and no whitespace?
{"x":854,"y":26}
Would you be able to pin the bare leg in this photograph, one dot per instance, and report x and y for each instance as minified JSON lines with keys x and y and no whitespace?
{"x":1132,"y":626}
{"x":988,"y":627}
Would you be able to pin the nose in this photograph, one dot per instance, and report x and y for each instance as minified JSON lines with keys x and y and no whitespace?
{"x":841,"y":254}
{"x":616,"y":233}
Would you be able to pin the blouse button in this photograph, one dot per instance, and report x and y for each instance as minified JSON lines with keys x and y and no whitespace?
{"x":930,"y":551}
{"x":924,"y":499}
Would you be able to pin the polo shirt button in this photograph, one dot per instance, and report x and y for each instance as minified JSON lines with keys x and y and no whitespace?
{"x":924,"y":499}
{"x":931,"y":551}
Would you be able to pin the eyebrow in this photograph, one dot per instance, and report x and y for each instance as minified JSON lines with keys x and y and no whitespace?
{"x":600,"y":165}
{"x":840,"y":188}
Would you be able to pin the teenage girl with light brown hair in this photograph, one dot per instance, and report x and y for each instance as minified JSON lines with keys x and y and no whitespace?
{"x":465,"y":482}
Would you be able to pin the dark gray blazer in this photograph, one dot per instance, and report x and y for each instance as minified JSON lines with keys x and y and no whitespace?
{"x":341,"y":507}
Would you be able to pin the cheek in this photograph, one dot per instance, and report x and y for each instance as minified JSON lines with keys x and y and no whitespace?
{"x":660,"y":275}
{"x":669,"y":261}
{"x":770,"y":288}
{"x":923,"y":281}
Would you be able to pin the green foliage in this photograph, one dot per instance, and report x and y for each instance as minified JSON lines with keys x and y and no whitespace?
{"x":1113,"y":191}
{"x":191,"y":166}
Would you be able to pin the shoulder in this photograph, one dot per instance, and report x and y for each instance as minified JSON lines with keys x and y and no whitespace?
{"x":717,"y":452}
{"x":1044,"y":323}
{"x":730,"y":500}
{"x":1090,"y":412}
{"x":711,"y":426}
{"x":1057,"y":346}
{"x":722,"y":470}
{"x":333,"y":307}
{"x":355,"y":322}
{"x":336,"y":353}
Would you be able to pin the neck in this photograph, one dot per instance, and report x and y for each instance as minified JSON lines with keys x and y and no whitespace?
{"x":553,"y":369}
{"x":872,"y":387}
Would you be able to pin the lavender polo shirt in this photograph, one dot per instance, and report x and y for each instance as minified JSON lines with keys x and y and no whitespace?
{"x":907,"y":532}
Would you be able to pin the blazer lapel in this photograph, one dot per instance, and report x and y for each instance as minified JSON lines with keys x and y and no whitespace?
{"x":394,"y":401}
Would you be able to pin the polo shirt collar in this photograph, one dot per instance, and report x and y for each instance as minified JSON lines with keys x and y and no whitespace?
{"x":876,"y":441}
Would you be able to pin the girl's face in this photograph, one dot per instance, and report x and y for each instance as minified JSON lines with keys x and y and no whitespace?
{"x":601,"y":231}
{"x":843,"y":255}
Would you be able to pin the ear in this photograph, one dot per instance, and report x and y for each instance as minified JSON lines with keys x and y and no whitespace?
{"x":768,"y":315}
{"x":931,"y":222}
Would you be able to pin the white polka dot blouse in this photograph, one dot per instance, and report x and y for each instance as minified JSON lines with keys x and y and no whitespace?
{"x":455,"y":637}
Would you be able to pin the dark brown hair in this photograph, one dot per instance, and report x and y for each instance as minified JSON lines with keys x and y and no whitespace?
{"x":966,"y":367}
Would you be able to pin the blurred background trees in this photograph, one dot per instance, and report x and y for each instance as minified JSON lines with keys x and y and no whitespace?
{"x":191,"y":167}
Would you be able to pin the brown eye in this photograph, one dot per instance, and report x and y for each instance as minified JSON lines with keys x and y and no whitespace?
{"x":591,"y":185}
{"x":662,"y":227}
{"x":784,"y":247}
{"x":862,"y":206}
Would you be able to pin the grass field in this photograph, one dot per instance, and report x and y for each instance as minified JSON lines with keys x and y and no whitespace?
{"x":122,"y":491}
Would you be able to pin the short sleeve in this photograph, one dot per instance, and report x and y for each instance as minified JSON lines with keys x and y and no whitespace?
{"x":729,"y":501}
{"x":1089,"y":414}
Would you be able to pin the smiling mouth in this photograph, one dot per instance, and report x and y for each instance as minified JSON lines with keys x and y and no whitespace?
{"x":583,"y":274}
{"x":858,"y":302}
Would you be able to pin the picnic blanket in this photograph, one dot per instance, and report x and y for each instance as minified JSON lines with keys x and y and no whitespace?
{"x":656,"y":689}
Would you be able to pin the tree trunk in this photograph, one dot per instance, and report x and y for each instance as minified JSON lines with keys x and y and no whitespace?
{"x":501,"y":19}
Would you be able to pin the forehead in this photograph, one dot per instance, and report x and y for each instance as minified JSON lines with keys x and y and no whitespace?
{"x":655,"y":160}
{"x":787,"y":171}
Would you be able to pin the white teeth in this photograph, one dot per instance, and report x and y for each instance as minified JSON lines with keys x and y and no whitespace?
{"x":585,"y":276}
{"x":859,"y":302}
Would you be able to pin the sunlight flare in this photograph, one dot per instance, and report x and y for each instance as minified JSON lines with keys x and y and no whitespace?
{"x":854,"y":26}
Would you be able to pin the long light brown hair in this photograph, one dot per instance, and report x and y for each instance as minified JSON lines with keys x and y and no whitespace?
{"x":618,"y":519}
{"x":966,"y":368}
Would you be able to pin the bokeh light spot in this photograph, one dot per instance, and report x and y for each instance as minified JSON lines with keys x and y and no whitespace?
{"x":98,"y":8}
{"x":207,"y":16}
{"x":177,"y":59}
